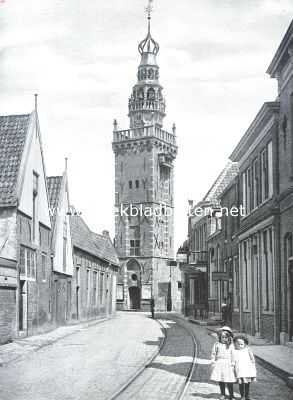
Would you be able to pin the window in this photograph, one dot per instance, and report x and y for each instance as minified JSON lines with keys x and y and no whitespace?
{"x":44,"y":266}
{"x":35,"y":197}
{"x":135,"y":247}
{"x":257,"y":180}
{"x":267,"y":172}
{"x":27,"y":262}
{"x":236,"y":289}
{"x":255,"y":194}
{"x":267,"y":270}
{"x":77,"y":276}
{"x":245,"y":276}
{"x":137,"y":184}
{"x":88,"y":279}
{"x":35,"y":183}
{"x":22,"y":262}
{"x":95,"y":278}
{"x":151,"y":94}
{"x":101,"y":288}
{"x":247,"y":194}
{"x":64,"y":245}
{"x":130,"y":184}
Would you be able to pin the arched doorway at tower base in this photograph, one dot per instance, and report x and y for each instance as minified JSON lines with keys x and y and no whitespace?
{"x":134,"y":297}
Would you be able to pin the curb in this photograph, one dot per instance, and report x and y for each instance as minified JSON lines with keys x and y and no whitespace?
{"x":284,"y":375}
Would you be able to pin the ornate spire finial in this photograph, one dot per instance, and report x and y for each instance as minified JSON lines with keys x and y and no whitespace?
{"x":148,"y":45}
{"x":149,"y":10}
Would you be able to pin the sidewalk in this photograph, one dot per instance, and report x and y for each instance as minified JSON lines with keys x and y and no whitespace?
{"x":277,"y":358}
{"x":20,"y":348}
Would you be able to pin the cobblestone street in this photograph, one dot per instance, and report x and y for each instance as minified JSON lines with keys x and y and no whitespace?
{"x":90,"y":364}
{"x":78,"y":367}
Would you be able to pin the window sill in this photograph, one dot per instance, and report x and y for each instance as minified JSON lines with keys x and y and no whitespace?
{"x":24,"y":277}
{"x":256,"y":208}
{"x":266,"y":312}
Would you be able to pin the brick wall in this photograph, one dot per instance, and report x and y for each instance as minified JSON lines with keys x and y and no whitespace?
{"x":84,"y":302}
{"x":7,"y":314}
{"x":267,"y":327}
{"x":38,"y":291}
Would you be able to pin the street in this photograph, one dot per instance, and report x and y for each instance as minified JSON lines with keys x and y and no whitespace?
{"x":97,"y":361}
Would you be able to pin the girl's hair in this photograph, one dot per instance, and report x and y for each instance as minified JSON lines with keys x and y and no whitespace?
{"x":227,"y":333}
{"x":242,"y":337}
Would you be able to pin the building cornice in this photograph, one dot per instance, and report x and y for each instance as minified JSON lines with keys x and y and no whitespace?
{"x":281,"y":53}
{"x":257,"y":130}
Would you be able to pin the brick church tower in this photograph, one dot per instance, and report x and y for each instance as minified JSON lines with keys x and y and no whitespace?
{"x":144,"y":192}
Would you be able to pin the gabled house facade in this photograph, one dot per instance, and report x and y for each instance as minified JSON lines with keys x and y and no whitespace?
{"x":61,"y":250}
{"x":25,"y":228}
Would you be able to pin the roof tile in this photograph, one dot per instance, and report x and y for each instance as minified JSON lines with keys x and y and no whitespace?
{"x":97,"y":245}
{"x":13,"y":132}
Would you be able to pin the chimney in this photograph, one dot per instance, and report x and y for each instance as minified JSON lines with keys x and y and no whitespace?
{"x":106,"y":233}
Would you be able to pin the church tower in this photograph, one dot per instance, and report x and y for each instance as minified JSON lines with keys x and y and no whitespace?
{"x":144,"y":191}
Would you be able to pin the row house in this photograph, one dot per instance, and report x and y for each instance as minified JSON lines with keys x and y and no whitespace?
{"x":202,"y":269}
{"x":49,"y":262}
{"x":250,"y":252}
{"x":96,"y":267}
{"x":25,"y":228}
{"x":257,"y":233}
{"x":281,"y":68}
{"x":61,"y":249}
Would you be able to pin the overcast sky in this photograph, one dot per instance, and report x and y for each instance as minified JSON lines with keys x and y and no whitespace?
{"x":81,"y":58}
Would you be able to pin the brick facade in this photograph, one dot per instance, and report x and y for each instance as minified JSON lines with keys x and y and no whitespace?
{"x":144,"y":180}
{"x":34,"y":289}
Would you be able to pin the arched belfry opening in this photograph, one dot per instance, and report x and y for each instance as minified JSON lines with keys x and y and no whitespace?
{"x":134,"y":283}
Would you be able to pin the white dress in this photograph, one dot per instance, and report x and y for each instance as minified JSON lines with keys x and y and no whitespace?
{"x":244,"y":365}
{"x":222,"y":363}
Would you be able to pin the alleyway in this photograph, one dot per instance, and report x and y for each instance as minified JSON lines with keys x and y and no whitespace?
{"x":96,"y":362}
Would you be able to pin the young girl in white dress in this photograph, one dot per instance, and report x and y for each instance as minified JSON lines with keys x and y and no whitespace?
{"x":244,"y":362}
{"x":222,"y":362}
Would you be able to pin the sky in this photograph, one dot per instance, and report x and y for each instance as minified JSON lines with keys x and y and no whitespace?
{"x":81,"y":58}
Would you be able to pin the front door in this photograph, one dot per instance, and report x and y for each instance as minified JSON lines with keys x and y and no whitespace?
{"x":134,"y":295}
{"x":291,"y":300}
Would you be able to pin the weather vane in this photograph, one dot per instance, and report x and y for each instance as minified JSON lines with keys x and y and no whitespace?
{"x":149,"y":8}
